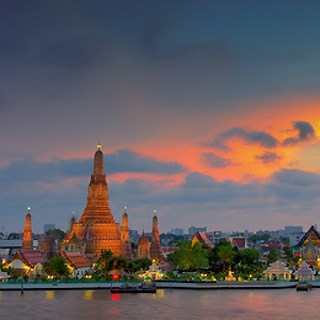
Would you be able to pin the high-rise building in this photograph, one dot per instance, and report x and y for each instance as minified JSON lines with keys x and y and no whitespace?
{"x":192,"y":230}
{"x":48,"y":227}
{"x":177,"y":232}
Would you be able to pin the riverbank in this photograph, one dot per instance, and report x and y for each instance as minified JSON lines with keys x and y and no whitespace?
{"x":16,"y":286}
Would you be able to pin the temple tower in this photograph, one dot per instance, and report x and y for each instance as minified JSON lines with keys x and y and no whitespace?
{"x":96,"y":229}
{"x":27,"y":231}
{"x":143,"y":247}
{"x":155,"y":249}
{"x":124,"y":235}
{"x":97,"y":209}
{"x":124,"y":227}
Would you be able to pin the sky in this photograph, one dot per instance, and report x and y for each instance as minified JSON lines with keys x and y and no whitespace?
{"x":208,"y":111}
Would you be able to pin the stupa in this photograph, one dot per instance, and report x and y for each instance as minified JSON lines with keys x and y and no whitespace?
{"x":27,"y":231}
{"x":96,"y":228}
{"x":155,"y":248}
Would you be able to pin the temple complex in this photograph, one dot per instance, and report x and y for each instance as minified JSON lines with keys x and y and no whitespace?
{"x":27,"y":232}
{"x":96,"y":231}
{"x":151,"y":249}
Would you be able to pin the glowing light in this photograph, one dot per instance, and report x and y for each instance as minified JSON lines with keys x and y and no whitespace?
{"x":88,"y":295}
{"x":115,"y":297}
{"x":50,"y":295}
{"x":99,"y":146}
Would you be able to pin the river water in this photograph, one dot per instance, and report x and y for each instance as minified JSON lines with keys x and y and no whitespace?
{"x":165,"y":304}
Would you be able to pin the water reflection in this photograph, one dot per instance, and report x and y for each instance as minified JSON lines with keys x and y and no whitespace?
{"x":88,"y":295}
{"x":159,"y":294}
{"x":50,"y":295}
{"x":115,"y":297}
{"x":165,"y":304}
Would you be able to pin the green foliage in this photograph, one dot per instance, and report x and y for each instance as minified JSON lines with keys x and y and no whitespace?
{"x":273,"y":256}
{"x":57,"y":267}
{"x":222,"y":257}
{"x":189,"y":257}
{"x":138,"y":265}
{"x":249,"y":265}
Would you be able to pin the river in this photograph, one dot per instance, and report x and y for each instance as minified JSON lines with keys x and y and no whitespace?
{"x":165,"y":304}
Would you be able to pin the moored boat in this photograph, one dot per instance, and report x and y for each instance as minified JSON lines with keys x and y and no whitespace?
{"x":303,"y":286}
{"x":142,"y":288}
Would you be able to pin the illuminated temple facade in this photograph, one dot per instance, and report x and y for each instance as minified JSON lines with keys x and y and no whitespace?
{"x":96,"y":230}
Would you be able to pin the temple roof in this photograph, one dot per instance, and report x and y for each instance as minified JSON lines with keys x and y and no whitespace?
{"x":30,"y":257}
{"x":76,"y":259}
{"x":311,"y":233}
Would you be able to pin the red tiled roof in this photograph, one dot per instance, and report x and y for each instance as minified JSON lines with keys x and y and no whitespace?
{"x":240,"y":243}
{"x":76,"y":259}
{"x":202,"y":237}
{"x":31,"y":257}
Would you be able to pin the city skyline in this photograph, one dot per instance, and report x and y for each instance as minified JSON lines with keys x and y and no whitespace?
{"x":210,"y":114}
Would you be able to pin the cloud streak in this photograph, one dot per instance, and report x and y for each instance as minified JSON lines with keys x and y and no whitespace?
{"x":260,"y":138}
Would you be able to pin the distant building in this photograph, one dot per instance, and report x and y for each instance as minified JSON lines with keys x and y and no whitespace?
{"x":134,"y":235}
{"x":48,"y":227}
{"x":177,"y":231}
{"x":192,"y":230}
{"x":239,"y":242}
{"x":293,"y":233}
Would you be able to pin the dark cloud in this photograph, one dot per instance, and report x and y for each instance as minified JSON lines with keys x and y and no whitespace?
{"x":129,"y":161}
{"x":268,"y":157}
{"x":261,"y":138}
{"x":214,"y":161}
{"x":305,"y":132}
{"x":28,"y":170}
{"x":224,"y":204}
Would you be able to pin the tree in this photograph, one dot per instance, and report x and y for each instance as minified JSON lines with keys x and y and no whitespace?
{"x":189,"y":257}
{"x":249,"y":265}
{"x":57,"y":267}
{"x":273,"y":255}
{"x":138,"y":265}
{"x":226,"y":254}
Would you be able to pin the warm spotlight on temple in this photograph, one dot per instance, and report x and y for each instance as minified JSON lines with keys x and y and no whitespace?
{"x":96,"y":231}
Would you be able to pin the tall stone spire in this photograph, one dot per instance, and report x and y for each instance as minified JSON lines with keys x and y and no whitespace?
{"x":27,"y":231}
{"x":124,"y":227}
{"x":96,"y":229}
{"x":97,"y":209}
{"x":155,"y":249}
{"x":98,"y":167}
{"x":124,"y":235}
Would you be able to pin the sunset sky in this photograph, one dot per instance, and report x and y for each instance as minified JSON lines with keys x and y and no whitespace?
{"x":208,"y":111}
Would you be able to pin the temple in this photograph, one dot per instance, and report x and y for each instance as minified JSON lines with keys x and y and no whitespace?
{"x":96,"y":231}
{"x":308,"y":248}
{"x":27,"y":232}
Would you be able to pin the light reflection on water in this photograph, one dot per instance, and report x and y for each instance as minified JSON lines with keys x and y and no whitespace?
{"x":50,"y":295}
{"x":165,"y":304}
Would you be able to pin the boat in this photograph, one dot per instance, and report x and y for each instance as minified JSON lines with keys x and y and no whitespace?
{"x":142,"y":288}
{"x":303,"y":286}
